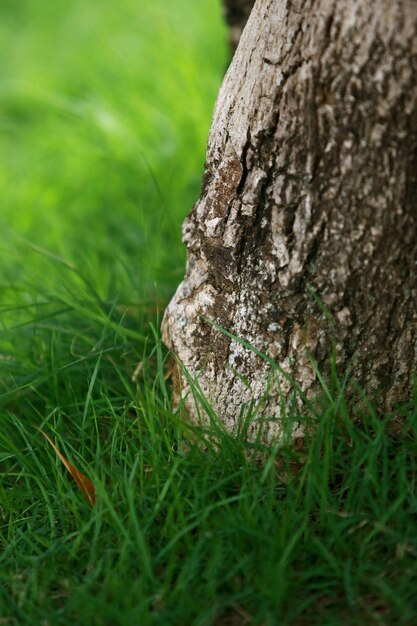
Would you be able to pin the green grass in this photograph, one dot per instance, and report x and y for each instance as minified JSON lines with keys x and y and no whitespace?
{"x":104,"y":113}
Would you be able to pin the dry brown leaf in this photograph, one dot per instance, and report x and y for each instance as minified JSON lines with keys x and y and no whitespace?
{"x":84,"y":483}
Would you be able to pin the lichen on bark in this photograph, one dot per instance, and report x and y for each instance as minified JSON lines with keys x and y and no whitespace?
{"x":309,"y":193}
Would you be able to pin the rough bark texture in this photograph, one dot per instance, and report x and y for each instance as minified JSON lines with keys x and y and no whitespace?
{"x":236,"y":14}
{"x":310,"y":183}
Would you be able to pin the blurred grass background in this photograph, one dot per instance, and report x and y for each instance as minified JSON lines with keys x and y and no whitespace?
{"x":104,"y":115}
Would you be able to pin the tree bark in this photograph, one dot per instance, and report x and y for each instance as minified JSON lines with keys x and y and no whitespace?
{"x":236,"y":14}
{"x":309,"y":193}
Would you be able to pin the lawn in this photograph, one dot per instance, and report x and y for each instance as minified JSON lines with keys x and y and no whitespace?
{"x":104,"y":114}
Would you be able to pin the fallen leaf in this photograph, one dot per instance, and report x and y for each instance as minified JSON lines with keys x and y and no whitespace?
{"x":84,"y":483}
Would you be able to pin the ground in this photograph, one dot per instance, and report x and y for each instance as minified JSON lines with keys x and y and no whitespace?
{"x":104,"y":113}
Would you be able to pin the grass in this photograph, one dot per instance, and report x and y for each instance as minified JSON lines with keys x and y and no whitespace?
{"x":104,"y":114}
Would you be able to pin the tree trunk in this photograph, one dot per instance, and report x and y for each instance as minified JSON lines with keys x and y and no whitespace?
{"x":236,"y":14}
{"x":305,"y":231}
